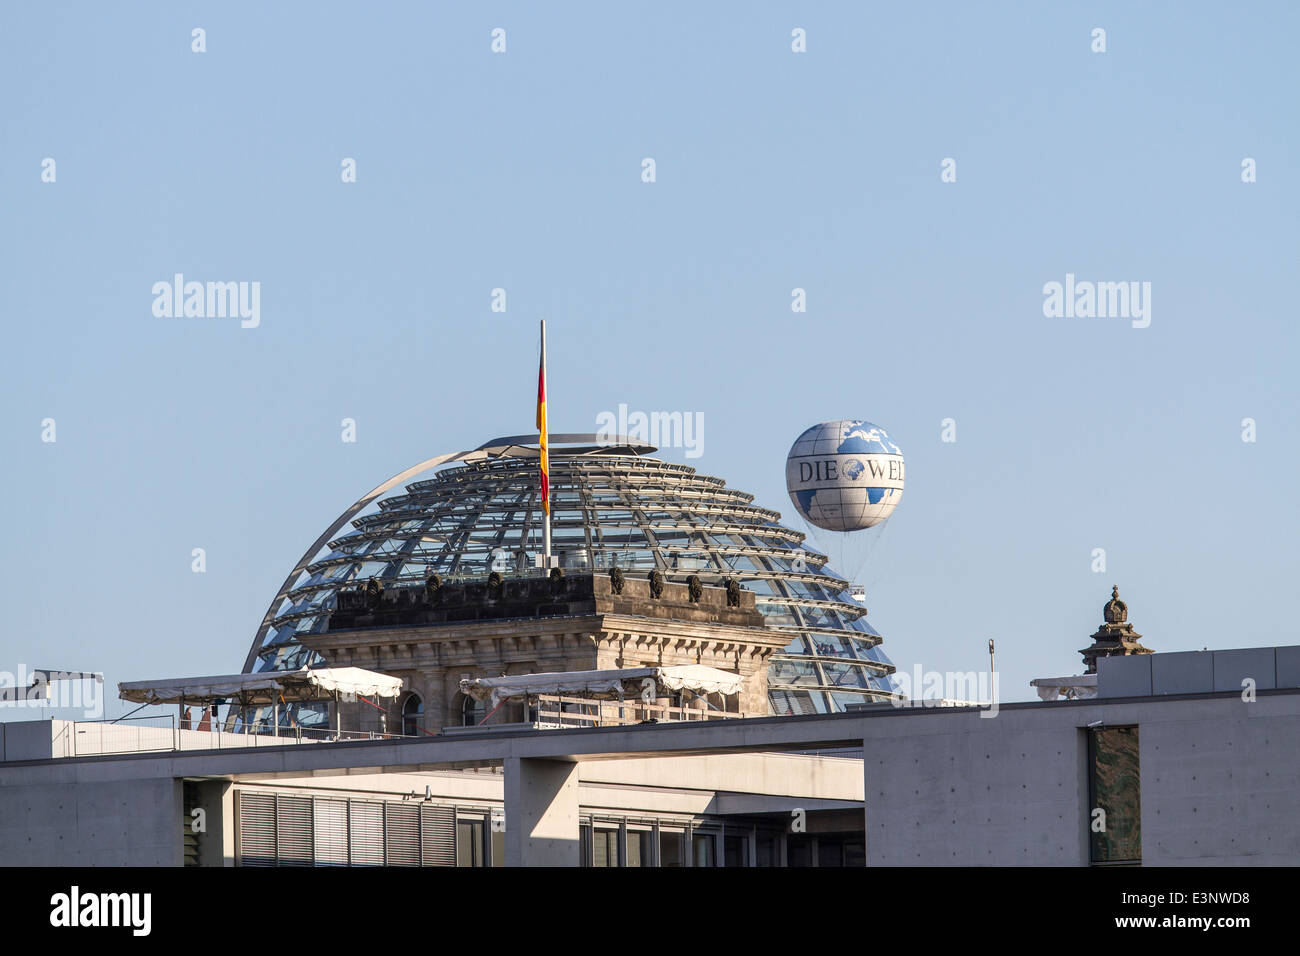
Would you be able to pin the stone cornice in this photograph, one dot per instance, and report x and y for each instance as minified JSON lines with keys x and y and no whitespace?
{"x":460,"y":643}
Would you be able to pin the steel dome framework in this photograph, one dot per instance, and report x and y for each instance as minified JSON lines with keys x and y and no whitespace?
{"x":613,"y":505}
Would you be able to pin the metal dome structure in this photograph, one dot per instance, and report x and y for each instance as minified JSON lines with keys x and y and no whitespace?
{"x":467,"y":514}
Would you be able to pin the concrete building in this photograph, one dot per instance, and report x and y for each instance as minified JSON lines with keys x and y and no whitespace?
{"x":1188,"y":766}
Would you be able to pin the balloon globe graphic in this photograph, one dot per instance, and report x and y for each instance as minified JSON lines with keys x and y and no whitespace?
{"x":844,"y":476}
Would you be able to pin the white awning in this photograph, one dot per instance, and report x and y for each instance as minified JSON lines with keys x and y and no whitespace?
{"x":351,"y":680}
{"x":1081,"y":686}
{"x":606,"y":684}
{"x":268,"y":687}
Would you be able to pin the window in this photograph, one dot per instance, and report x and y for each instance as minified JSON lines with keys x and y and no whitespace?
{"x":472,"y":712}
{"x":1114,"y":814}
{"x":469,"y":842}
{"x":855,"y":853}
{"x":412,"y":711}
{"x":640,"y":848}
{"x":830,"y":851}
{"x":736,"y":847}
{"x":798,"y":850}
{"x":704,"y":846}
{"x":672,"y":848}
{"x":605,"y":848}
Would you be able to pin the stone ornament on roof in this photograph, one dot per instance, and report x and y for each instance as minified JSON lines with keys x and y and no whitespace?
{"x":1116,"y":611}
{"x":374,"y":592}
{"x":1115,"y":637}
{"x":694,"y":588}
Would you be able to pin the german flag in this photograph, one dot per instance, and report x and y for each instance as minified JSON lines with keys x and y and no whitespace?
{"x":544,"y":461}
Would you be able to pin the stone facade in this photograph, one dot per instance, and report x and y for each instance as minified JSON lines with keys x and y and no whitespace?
{"x":435,"y":637}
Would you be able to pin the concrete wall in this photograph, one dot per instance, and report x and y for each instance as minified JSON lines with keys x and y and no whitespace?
{"x":1198,"y":672}
{"x":1220,"y":780}
{"x":32,"y":739}
{"x":43,"y":739}
{"x":1220,"y":784}
{"x":960,"y":790}
{"x":1221,"y":789}
{"x":101,"y":823}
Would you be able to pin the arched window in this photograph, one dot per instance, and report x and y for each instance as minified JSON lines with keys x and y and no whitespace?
{"x":412,"y":711}
{"x":471,"y":711}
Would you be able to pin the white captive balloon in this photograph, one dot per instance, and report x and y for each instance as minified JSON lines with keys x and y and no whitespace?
{"x":845,"y":475}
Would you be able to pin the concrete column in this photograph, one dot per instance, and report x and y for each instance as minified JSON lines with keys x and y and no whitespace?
{"x":541,"y":812}
{"x":868,"y":749}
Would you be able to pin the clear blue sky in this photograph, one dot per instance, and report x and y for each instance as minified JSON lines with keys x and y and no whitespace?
{"x":775,"y":170}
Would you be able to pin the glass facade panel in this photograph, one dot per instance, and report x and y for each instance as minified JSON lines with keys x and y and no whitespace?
{"x":799,"y":850}
{"x":737,"y":850}
{"x":830,"y":645}
{"x":704,"y":847}
{"x":842,"y":676}
{"x":793,"y":672}
{"x":1115,"y":785}
{"x":605,"y":848}
{"x":795,"y":702}
{"x":469,"y":842}
{"x":640,"y":847}
{"x":672,"y":848}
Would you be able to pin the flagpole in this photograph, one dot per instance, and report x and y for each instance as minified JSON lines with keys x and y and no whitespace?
{"x":545,"y":441}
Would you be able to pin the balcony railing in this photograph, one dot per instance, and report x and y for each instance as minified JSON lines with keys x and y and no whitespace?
{"x":558,"y":712}
{"x":87,"y":738}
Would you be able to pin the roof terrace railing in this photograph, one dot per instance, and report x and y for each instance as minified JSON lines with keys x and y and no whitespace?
{"x":556,"y":712}
{"x":163,"y":733}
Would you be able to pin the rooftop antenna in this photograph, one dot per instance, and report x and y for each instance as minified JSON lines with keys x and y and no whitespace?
{"x":993,"y":669}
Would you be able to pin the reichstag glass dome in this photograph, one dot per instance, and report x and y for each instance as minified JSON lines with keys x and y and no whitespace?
{"x":613,"y":505}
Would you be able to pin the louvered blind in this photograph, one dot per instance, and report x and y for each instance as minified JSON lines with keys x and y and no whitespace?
{"x":293,"y":831}
{"x":437,"y":836}
{"x":330,"y":832}
{"x":402,"y":834}
{"x":256,"y":829}
{"x":366,"y":833}
{"x":285,"y":830}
